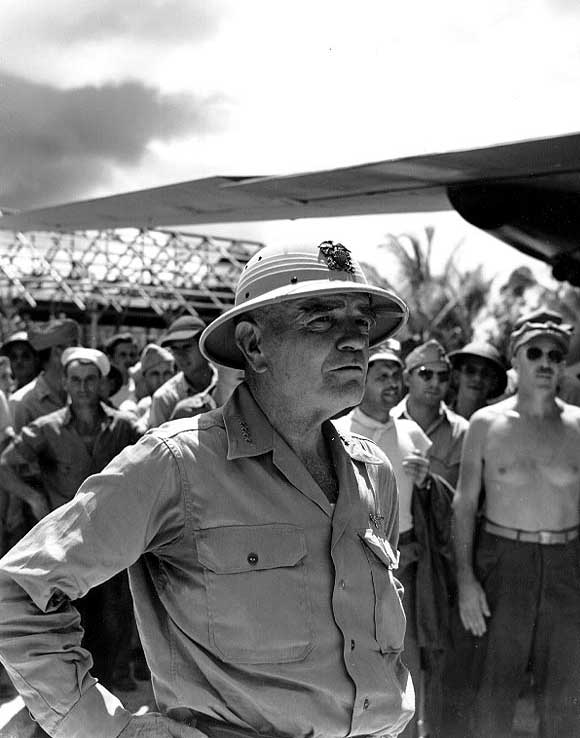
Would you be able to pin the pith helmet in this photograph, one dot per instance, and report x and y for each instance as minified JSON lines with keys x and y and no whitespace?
{"x":282,"y":273}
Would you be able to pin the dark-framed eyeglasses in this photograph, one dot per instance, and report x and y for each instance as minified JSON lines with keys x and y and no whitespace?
{"x":428,"y":374}
{"x":533,"y":353}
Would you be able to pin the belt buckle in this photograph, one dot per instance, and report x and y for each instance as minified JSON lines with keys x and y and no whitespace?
{"x":545,"y":537}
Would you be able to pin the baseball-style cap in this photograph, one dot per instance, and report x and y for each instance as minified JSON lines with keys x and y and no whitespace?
{"x":51,"y":334}
{"x":154,"y":355}
{"x":487,"y":352}
{"x":183,"y":329}
{"x":82,"y":354}
{"x":278,"y":274}
{"x":540,"y":323}
{"x":430,"y":352}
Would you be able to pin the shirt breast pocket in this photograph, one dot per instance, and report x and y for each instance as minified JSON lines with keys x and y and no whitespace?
{"x":390,"y":619}
{"x":257,"y":592}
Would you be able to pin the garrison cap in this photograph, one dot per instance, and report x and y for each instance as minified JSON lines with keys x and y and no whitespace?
{"x":53,"y":333}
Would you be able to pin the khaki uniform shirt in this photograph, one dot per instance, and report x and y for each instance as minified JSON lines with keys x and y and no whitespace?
{"x":50,"y":455}
{"x":258,"y":602}
{"x":175,"y":389}
{"x":447,"y":433}
{"x":32,"y":401}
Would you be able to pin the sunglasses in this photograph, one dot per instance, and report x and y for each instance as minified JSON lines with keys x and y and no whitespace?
{"x":428,"y":374}
{"x":533,"y":353}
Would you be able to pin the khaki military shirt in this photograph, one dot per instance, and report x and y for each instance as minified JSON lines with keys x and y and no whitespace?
{"x":259,"y":603}
{"x":447,"y":433}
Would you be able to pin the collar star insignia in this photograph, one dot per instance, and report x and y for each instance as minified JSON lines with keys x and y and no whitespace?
{"x":376,"y":520}
{"x":337,"y":256}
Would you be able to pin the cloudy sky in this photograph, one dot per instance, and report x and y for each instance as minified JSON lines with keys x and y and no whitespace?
{"x":104,"y":96}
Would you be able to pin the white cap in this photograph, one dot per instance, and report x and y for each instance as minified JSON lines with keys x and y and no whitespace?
{"x":93,"y":356}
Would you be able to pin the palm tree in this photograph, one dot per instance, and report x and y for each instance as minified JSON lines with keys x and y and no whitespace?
{"x":442,"y":305}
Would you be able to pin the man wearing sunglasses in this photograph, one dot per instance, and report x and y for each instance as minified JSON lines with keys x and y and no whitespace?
{"x":427,"y":375}
{"x":519,"y":587}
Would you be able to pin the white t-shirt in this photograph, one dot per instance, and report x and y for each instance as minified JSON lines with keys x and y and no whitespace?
{"x":397,"y":439}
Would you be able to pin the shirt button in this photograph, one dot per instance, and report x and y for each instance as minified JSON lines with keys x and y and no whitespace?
{"x":252,"y":559}
{"x":352,"y":645}
{"x":366,"y":704}
{"x":342,"y":584}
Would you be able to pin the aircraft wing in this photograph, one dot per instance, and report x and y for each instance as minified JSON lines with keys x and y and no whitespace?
{"x":526,"y":193}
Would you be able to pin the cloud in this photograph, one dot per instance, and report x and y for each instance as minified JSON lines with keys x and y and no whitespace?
{"x":69,"y":21}
{"x":70,"y":43}
{"x":58,"y":145}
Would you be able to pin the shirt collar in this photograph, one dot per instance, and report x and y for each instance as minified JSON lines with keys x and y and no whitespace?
{"x":42,"y":388}
{"x":401,"y":411}
{"x":107,"y":413}
{"x":248,"y":430}
{"x":371,"y":423}
{"x":250,"y":433}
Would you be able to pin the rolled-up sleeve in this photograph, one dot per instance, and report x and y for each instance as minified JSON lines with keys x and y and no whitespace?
{"x":135,"y":505}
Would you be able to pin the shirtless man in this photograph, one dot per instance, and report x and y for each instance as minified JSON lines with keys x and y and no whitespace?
{"x":520,"y":593}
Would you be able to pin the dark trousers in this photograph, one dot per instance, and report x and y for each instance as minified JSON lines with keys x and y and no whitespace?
{"x":534,"y":595}
{"x":425,"y":666}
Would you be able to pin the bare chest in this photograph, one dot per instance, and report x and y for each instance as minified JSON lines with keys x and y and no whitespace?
{"x":534,"y":453}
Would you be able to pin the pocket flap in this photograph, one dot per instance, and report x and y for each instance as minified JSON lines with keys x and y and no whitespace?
{"x":234,"y":549}
{"x":381,"y":548}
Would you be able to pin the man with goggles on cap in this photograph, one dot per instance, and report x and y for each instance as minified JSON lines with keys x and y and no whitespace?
{"x":519,"y":587}
{"x":262,"y":543}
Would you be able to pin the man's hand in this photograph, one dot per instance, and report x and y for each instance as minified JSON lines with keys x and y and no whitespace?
{"x":39,"y":507}
{"x":417,"y":468}
{"x":154,"y":725}
{"x":473,"y":606}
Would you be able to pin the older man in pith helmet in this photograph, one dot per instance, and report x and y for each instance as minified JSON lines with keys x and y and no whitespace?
{"x":519,"y":585}
{"x":262,"y":543}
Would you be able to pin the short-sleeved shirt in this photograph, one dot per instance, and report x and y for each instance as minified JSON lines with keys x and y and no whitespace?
{"x":447,"y":433}
{"x":259,"y":603}
{"x":49,"y":453}
{"x":32,"y":401}
{"x":178,"y":388}
{"x":397,"y":438}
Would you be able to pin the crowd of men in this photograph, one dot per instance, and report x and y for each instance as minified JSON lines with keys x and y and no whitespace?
{"x":267,"y":539}
{"x":65,"y":413}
